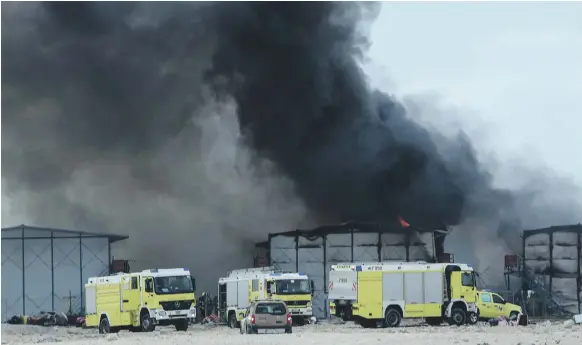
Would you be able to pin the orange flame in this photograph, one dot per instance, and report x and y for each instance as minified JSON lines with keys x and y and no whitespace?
{"x":403,"y":222}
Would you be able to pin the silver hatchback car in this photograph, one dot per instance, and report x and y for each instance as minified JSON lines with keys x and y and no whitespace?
{"x":266,"y":316}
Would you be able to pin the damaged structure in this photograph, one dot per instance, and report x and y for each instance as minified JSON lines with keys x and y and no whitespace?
{"x":314,"y":251}
{"x":551,"y":266}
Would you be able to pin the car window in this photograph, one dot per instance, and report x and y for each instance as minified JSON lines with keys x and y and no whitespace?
{"x":270,"y":308}
{"x":485,"y":298}
{"x":497,"y":299}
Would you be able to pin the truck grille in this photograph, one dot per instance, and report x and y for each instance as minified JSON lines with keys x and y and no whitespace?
{"x":176,"y":305}
{"x":296,"y":303}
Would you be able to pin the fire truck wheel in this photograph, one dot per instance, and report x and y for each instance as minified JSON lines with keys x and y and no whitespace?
{"x":392,"y":318}
{"x":104,"y":326}
{"x":232,"y":320}
{"x":458,"y":316}
{"x":146,"y":323}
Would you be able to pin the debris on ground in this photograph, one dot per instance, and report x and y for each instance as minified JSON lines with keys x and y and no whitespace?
{"x":41,"y":319}
{"x":518,"y":320}
{"x":210,"y":320}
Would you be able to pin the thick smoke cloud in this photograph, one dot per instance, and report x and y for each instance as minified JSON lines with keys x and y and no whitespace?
{"x":198,"y":128}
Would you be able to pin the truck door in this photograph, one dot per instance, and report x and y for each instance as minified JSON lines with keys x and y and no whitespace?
{"x":463,"y":286}
{"x":468,"y":287}
{"x":132,"y":296}
{"x":498,"y":306}
{"x":370,"y":295}
{"x":485,"y":305}
{"x":147,"y":291}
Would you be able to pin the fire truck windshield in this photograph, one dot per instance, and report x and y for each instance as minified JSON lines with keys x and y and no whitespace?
{"x":173,"y":285}
{"x":292,"y":286}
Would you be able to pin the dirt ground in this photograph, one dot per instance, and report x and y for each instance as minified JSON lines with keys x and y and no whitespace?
{"x":545,"y":333}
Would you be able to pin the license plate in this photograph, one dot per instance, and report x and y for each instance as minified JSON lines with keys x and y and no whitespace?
{"x":271,"y":331}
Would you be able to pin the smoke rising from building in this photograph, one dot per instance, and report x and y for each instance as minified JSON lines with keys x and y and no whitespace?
{"x":198,"y":128}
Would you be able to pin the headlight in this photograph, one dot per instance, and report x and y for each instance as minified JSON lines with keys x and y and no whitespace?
{"x":162,"y":313}
{"x":309,"y":304}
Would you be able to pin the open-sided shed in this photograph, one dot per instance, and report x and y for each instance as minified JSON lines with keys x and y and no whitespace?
{"x":45,"y":269}
{"x":314,"y":251}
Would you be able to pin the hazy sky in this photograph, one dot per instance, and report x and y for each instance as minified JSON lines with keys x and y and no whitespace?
{"x":510,"y":71}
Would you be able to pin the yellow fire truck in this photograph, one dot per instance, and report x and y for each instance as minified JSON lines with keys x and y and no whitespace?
{"x":240,"y":287}
{"x":139,"y":301}
{"x":377,"y":292}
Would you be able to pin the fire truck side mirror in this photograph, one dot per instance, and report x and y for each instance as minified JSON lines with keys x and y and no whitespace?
{"x":193,"y":283}
{"x":312,"y":285}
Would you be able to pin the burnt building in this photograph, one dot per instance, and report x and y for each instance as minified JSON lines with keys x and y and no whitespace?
{"x":313,"y":251}
{"x":551,"y":266}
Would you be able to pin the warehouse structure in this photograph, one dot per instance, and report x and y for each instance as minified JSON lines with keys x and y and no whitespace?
{"x":45,"y":269}
{"x":552,"y":265}
{"x":314,"y":251}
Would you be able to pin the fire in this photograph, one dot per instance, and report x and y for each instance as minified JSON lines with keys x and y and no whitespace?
{"x":403,"y":222}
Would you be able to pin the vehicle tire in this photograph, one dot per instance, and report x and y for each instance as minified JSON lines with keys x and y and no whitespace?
{"x":434,"y":321}
{"x":146,"y":324}
{"x":181,"y":325}
{"x":104,"y":326}
{"x":343,"y":314}
{"x":392,"y":318}
{"x":458,"y":317}
{"x":232,"y":320}
{"x":472,"y":318}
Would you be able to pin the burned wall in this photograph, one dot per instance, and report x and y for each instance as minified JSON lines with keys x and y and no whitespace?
{"x":553,"y":259}
{"x":314,"y":251}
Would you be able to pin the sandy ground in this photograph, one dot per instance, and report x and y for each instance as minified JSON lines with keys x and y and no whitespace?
{"x":545,"y":333}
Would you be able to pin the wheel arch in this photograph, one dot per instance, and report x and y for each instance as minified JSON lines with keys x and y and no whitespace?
{"x":457,"y":303}
{"x":398,"y":305}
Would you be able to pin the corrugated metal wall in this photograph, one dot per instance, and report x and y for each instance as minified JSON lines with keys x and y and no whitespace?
{"x":314,"y":254}
{"x":554,"y":257}
{"x":42,"y":270}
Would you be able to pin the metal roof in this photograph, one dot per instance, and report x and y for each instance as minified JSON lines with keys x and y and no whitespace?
{"x":557,"y":228}
{"x":348,"y":227}
{"x":112,"y":237}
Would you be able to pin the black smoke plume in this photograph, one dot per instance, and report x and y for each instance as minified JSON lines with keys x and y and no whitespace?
{"x":199,"y":127}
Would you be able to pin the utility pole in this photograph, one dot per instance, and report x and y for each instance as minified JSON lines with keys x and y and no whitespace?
{"x":70,"y":298}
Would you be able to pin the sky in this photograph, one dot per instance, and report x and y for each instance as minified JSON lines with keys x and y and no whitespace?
{"x":506,"y":73}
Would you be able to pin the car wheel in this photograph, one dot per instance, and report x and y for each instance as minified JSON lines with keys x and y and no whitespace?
{"x":473,"y":318}
{"x":104,"y":327}
{"x":458,"y":317}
